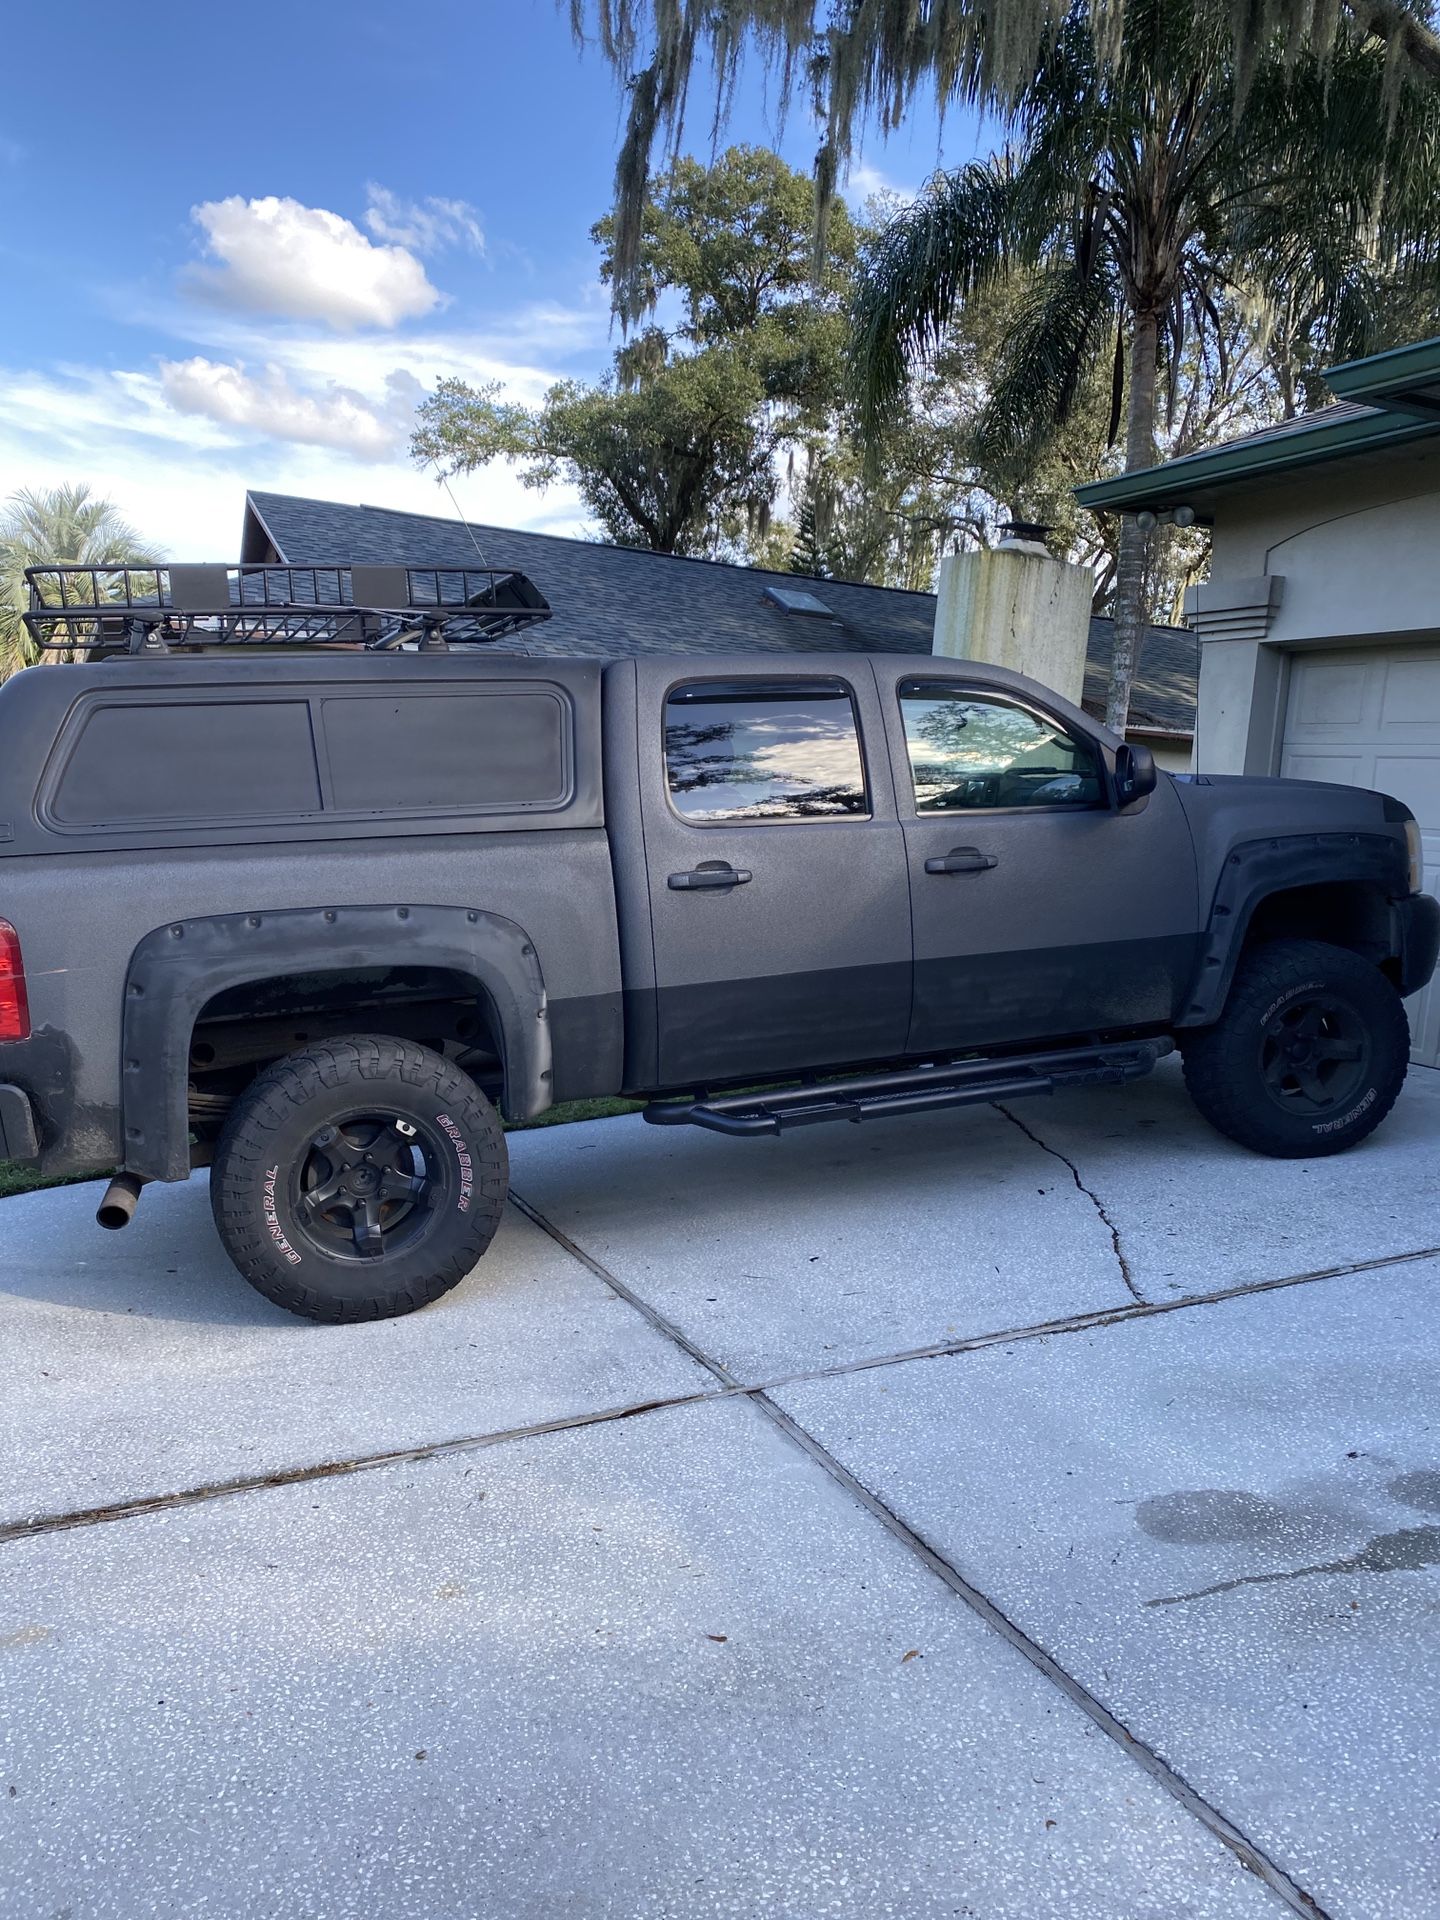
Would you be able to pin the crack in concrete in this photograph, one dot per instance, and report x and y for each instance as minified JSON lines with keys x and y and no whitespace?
{"x":1410,"y":1547}
{"x":1089,"y":1193}
{"x":1096,"y":1317}
{"x":1090,"y":1704}
{"x":728,"y":1387}
{"x":1405,"y":1551}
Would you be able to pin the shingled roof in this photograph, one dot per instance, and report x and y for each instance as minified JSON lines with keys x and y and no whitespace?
{"x":625,"y":600}
{"x":1162,"y":699}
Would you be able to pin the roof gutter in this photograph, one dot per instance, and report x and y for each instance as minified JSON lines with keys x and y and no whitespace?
{"x":1179,"y":482}
{"x":1383,"y":378}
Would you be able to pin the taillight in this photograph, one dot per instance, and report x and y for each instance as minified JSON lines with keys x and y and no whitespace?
{"x":14,"y":1006}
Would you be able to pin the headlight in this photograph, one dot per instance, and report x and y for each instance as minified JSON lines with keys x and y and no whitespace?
{"x":1417,"y":859}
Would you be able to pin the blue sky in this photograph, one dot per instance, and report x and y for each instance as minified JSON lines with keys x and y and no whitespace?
{"x":241,"y":243}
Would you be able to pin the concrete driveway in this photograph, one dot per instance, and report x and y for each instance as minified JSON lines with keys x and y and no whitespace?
{"x":1007,"y":1514}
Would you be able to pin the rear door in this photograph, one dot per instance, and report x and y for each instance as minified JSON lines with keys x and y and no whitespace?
{"x":1040,"y":910}
{"x":776,"y":870}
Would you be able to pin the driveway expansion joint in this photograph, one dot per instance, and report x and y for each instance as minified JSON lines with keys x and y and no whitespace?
{"x":659,"y":1321}
{"x":146,"y":1504}
{"x":727,"y":1387}
{"x":1216,"y":1823}
{"x":1210,"y":1817}
{"x":1096,"y":1317}
{"x":1089,"y":1193}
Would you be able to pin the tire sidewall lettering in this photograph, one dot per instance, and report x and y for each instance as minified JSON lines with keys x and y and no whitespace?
{"x":463,"y":1159}
{"x":1306,"y":986}
{"x":1347,"y":1119}
{"x":271,"y":1216}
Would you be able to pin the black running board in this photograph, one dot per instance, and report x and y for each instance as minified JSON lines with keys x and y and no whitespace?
{"x":956,"y":1083}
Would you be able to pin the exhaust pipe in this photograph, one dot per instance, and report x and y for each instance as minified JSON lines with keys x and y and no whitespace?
{"x":122,"y":1196}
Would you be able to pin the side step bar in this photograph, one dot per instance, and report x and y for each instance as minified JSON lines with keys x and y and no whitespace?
{"x":957,"y":1083}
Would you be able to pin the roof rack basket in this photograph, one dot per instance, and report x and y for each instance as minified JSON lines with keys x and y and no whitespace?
{"x":95,"y":611}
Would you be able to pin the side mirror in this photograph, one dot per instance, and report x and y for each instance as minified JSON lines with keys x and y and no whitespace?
{"x":1135,"y":774}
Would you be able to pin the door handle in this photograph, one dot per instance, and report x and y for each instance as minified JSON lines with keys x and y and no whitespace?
{"x":709,"y":873}
{"x":961,"y":860}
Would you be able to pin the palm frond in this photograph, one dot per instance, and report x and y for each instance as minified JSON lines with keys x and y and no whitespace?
{"x":1064,"y":329}
{"x":64,"y":526}
{"x":954,"y":238}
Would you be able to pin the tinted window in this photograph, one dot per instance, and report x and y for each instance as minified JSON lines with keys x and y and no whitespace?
{"x":454,"y":751}
{"x":193,"y":761}
{"x":968,"y":751}
{"x":756,"y":752}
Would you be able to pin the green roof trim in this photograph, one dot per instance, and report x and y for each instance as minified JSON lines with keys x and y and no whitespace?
{"x":1177,"y":482}
{"x":1383,"y":375}
{"x":1384,"y":400}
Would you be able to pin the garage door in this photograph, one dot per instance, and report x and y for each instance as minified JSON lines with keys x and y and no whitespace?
{"x":1372,"y":719}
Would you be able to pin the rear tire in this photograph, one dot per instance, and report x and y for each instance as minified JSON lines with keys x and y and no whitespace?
{"x":1308,"y":1056}
{"x":359,"y":1179}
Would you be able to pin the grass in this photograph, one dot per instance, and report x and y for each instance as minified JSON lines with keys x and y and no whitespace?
{"x":563,"y":1115}
{"x":15,"y":1179}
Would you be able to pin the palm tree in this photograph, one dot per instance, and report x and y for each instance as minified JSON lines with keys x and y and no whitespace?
{"x":1136,"y":198}
{"x":57,"y":527}
{"x":859,"y":59}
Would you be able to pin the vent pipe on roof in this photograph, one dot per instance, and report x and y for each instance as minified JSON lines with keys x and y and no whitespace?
{"x":1024,"y":536}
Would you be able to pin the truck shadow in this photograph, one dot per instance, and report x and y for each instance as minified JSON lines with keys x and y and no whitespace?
{"x":169,"y":1265}
{"x":166,"y":1265}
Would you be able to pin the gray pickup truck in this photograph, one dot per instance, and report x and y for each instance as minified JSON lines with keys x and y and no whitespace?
{"x":317,"y":915}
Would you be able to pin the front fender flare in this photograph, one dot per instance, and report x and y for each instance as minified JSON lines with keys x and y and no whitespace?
{"x":176,"y":969}
{"x":1258,"y":868}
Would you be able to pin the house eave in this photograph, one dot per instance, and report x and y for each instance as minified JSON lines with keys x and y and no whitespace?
{"x":1389,"y":379}
{"x":253,"y":549}
{"x":1195,"y":480}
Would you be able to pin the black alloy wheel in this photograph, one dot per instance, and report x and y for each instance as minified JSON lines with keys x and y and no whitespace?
{"x":371,"y":1185}
{"x":359,"y":1178}
{"x":1315,"y":1055}
{"x":1308,"y":1054}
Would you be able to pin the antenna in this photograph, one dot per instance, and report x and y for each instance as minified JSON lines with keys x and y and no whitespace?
{"x":444,"y":479}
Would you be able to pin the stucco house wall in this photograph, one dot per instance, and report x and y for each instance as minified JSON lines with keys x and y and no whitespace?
{"x":1319,"y":626}
{"x":1352,"y":555}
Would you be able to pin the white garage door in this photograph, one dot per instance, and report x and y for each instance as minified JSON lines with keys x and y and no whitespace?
{"x":1372,"y":719}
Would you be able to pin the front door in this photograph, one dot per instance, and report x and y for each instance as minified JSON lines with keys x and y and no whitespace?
{"x":1041,"y":911}
{"x":778,"y":893}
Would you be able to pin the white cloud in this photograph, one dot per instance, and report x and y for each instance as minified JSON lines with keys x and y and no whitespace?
{"x":270,"y":405}
{"x":304,"y":263}
{"x":234,"y":400}
{"x":864,"y":183}
{"x":535,"y":340}
{"x":180,"y":477}
{"x":424,"y":226}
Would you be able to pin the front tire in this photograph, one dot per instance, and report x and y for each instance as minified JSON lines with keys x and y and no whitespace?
{"x":1308,"y":1056}
{"x":359,"y":1179}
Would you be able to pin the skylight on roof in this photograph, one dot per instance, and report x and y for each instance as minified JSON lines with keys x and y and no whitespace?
{"x":795,"y":600}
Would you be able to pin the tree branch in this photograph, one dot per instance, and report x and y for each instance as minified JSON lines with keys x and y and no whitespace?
{"x":1390,"y":20}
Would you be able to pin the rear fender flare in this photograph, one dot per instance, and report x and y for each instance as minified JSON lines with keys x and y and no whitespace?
{"x":177,"y":968}
{"x":1258,"y":868}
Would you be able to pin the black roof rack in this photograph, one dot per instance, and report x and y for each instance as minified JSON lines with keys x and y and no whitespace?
{"x":92,"y":611}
